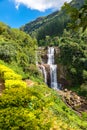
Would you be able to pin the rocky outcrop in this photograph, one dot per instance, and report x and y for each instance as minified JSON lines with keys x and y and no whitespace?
{"x":76,"y":102}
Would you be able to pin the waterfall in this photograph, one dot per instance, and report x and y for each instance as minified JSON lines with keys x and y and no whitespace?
{"x":44,"y":73}
{"x":50,"y":55}
{"x":49,"y":69}
{"x":53,"y":68}
{"x":53,"y":75}
{"x":36,"y":58}
{"x":41,"y":68}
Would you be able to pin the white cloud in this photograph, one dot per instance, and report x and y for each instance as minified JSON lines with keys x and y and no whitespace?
{"x":41,"y":5}
{"x":17,"y":6}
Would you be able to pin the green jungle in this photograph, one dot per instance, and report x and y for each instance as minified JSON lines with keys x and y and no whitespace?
{"x":26,"y":102}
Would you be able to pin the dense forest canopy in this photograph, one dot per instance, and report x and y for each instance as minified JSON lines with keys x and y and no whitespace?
{"x":78,"y":15}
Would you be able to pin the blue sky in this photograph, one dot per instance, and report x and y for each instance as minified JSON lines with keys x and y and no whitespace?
{"x":16,"y":13}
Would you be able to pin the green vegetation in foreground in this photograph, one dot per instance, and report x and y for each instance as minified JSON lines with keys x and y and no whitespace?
{"x":34,"y":108}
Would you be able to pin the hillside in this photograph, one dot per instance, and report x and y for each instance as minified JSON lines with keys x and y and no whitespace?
{"x":17,"y":50}
{"x":34,"y":107}
{"x":51,"y":25}
{"x":32,"y":26}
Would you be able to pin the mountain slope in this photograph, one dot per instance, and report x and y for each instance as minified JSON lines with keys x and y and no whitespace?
{"x":52,"y":24}
{"x":32,"y":26}
{"x":38,"y":107}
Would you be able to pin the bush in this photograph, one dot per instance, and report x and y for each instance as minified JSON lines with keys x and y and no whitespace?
{"x":84,"y":89}
{"x":84,"y":74}
{"x":33,"y":70}
{"x":17,"y":119}
{"x":11,"y":76}
{"x":4,"y":69}
{"x":84,"y":115}
{"x":6,"y":73}
{"x":7,"y":51}
{"x":73,"y":71}
{"x":14,"y":83}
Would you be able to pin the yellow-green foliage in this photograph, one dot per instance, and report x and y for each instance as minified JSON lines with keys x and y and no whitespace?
{"x":6,"y":73}
{"x":35,"y":108}
{"x":14,"y":83}
{"x":4,"y":69}
{"x":10,"y":78}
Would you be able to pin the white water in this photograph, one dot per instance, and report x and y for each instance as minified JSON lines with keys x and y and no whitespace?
{"x":50,"y":55}
{"x":44,"y":73}
{"x":53,"y":68}
{"x":41,"y":69}
{"x":36,"y":58}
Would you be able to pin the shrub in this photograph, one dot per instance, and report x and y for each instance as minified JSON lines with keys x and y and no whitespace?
{"x":84,"y":89}
{"x":6,"y":73}
{"x":11,"y":76}
{"x":4,"y":69}
{"x":14,"y":83}
{"x":84,"y":115}
{"x":17,"y":119}
{"x":33,"y":70}
{"x":84,"y":74}
{"x":73,"y":71}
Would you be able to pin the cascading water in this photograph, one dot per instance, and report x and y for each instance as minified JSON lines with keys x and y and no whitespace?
{"x":50,"y":55}
{"x":44,"y":73}
{"x":53,"y":68}
{"x":49,"y":69}
{"x":41,"y":69}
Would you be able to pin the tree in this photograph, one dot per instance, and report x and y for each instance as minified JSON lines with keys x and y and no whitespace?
{"x":78,"y":16}
{"x":73,"y":55}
